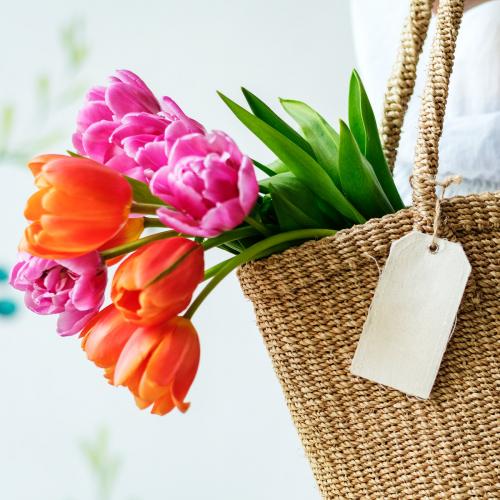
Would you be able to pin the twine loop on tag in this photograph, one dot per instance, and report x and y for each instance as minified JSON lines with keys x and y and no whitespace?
{"x":444,"y":184}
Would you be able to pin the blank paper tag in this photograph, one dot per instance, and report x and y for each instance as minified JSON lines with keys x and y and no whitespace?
{"x":412,"y":314}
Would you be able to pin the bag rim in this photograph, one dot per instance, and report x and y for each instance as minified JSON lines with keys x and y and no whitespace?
{"x":410,"y":213}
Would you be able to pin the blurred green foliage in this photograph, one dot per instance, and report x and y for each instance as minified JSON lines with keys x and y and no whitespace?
{"x":103,"y":465}
{"x":50,"y":99}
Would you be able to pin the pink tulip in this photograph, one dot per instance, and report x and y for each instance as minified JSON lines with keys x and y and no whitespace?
{"x":209,"y":185}
{"x":147,"y":138}
{"x":125,"y":127}
{"x":72,"y":288}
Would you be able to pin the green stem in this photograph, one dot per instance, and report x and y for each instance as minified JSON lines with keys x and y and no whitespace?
{"x":228,"y":247}
{"x":258,"y":225}
{"x":152,"y":222}
{"x":276,"y":249}
{"x":134,"y":245}
{"x":211,"y":271}
{"x":173,"y":266}
{"x":251,"y":253}
{"x":235,"y":234}
{"x":144,"y":208}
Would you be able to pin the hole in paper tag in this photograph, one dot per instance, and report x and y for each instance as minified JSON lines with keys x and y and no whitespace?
{"x":412,"y":314}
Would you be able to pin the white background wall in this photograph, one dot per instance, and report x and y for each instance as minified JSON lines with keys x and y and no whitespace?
{"x":237,"y":440}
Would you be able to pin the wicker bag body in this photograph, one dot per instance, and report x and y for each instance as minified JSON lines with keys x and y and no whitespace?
{"x":364,"y":440}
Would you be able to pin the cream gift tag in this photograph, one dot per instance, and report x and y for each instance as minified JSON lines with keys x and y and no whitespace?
{"x":412,"y":314}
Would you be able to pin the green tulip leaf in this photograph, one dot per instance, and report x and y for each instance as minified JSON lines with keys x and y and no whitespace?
{"x":364,"y":129}
{"x":320,"y":135}
{"x":295,"y":204}
{"x":261,"y":110}
{"x":302,"y":165}
{"x":263,"y":168}
{"x":303,"y":199}
{"x":141,"y":192}
{"x":356,"y":121}
{"x":278,"y":167}
{"x":359,"y":182}
{"x":73,"y":154}
{"x":290,"y":216}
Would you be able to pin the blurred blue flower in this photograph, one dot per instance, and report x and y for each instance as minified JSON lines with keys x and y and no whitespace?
{"x":7,"y":306}
{"x":4,"y":275}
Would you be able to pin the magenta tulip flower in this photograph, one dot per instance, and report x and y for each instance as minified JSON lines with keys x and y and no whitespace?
{"x":148,"y":138}
{"x":209,"y":185}
{"x":72,"y":288}
{"x":125,"y":127}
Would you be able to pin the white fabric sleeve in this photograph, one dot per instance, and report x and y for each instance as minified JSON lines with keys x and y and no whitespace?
{"x":470,"y":145}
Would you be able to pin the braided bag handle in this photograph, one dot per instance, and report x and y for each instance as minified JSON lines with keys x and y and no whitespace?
{"x":402,"y":81}
{"x":432,"y":111}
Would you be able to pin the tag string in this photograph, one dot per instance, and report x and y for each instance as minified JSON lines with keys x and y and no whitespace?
{"x":444,"y":184}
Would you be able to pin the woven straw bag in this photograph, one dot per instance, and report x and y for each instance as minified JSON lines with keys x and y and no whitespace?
{"x":364,"y":440}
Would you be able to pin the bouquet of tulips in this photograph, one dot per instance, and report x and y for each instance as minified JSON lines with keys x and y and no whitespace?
{"x":142,"y":163}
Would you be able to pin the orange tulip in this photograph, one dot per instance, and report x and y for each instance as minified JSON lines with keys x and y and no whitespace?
{"x":80,"y":205}
{"x":129,"y":232}
{"x":157,"y":282}
{"x":156,"y":363}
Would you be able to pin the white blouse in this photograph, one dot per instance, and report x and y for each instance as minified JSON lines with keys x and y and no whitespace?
{"x":470,"y":145}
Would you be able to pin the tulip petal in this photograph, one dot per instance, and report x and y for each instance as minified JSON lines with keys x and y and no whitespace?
{"x":163,"y":405}
{"x":162,"y":364}
{"x":96,"y":140}
{"x":223,"y":217}
{"x":56,"y":201}
{"x":131,"y":145}
{"x":173,"y":366}
{"x":171,"y":109}
{"x":80,"y":205}
{"x":109,"y":374}
{"x":247,"y":185}
{"x":141,"y":404}
{"x":137,"y":349}
{"x":89,"y":179}
{"x":134,"y":124}
{"x":192,"y":145}
{"x":220,"y":180}
{"x":105,"y":337}
{"x":145,"y":303}
{"x":95,"y":93}
{"x":86,"y":264}
{"x":77,"y":141}
{"x":88,"y":291}
{"x":181,"y":127}
{"x":169,"y":355}
{"x":91,"y":233}
{"x":186,"y":372}
{"x":184,"y":223}
{"x":152,"y":156}
{"x":208,"y":184}
{"x":134,"y":380}
{"x":93,"y":112}
{"x":72,"y":321}
{"x":126,"y":166}
{"x":122,"y":99}
{"x":36,"y":164}
{"x":34,"y":206}
{"x":130,"y":78}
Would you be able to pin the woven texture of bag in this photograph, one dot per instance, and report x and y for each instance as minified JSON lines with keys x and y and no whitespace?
{"x":364,"y":440}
